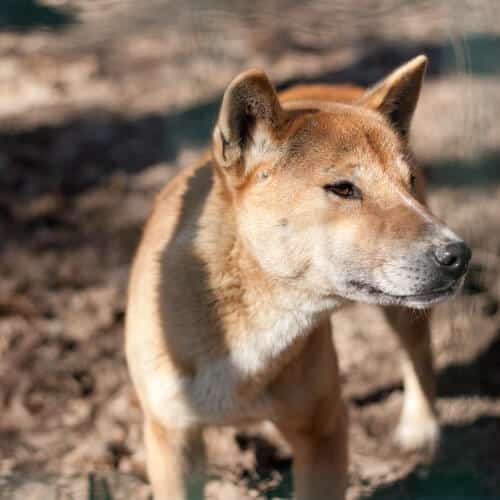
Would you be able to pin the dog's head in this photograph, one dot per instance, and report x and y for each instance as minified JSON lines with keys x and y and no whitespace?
{"x":326,"y":195}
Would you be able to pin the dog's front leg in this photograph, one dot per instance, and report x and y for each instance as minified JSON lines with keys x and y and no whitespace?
{"x":320,"y":456}
{"x":418,"y":427}
{"x":175,"y":459}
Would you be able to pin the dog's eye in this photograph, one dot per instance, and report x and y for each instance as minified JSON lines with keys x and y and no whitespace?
{"x":343,"y":189}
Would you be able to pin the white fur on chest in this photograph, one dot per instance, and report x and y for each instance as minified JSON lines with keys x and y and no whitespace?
{"x":211,"y":395}
{"x":253,"y":353}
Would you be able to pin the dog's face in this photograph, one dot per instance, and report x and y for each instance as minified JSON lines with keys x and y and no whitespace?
{"x":326,"y":198}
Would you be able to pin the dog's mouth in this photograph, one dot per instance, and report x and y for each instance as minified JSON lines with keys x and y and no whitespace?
{"x":373,"y":294}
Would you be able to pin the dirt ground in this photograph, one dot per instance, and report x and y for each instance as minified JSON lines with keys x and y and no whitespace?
{"x":101,"y":102}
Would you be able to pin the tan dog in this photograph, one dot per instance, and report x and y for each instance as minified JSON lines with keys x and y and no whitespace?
{"x":305,"y":203}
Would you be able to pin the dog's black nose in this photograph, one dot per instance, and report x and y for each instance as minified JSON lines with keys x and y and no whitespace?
{"x":452,"y":258}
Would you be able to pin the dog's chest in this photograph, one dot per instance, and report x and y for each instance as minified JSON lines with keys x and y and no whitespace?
{"x":263,"y":349}
{"x":232,"y":387}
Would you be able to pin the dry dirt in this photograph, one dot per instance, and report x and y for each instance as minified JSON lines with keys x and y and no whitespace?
{"x":100,"y":111}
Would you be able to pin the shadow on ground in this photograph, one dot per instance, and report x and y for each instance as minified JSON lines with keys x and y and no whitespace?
{"x":467,"y":451}
{"x":27,"y":15}
{"x":459,"y":471}
{"x":97,"y":143}
{"x":478,"y":172}
{"x":477,"y":378}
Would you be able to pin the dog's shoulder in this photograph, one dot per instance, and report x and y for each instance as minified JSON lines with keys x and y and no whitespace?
{"x":174,"y":206}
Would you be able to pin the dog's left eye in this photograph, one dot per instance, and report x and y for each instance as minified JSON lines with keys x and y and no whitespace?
{"x":344,"y":189}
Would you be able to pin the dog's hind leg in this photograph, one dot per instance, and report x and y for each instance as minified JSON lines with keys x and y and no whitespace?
{"x":175,"y":459}
{"x":418,"y":426}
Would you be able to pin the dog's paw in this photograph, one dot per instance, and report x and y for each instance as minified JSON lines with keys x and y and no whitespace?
{"x":418,"y":434}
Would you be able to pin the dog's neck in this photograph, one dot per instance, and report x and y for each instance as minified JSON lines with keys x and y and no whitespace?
{"x":262,"y":320}
{"x":239,"y":285}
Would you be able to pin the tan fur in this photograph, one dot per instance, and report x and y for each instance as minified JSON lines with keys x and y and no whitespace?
{"x":245,"y":256}
{"x":322,"y":92}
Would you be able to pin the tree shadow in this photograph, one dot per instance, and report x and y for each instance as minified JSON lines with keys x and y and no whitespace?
{"x":373,"y":64}
{"x":27,"y":15}
{"x":85,"y":150}
{"x":474,"y":173}
{"x":480,"y":53}
{"x":480,"y":377}
{"x":79,"y":154}
{"x":466,"y":468}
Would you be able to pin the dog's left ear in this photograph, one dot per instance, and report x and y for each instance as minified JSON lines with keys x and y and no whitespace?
{"x":250,"y":105}
{"x":396,"y":96}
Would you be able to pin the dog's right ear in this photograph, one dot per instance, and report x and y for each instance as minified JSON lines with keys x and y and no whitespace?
{"x":396,"y":96}
{"x":250,"y":108}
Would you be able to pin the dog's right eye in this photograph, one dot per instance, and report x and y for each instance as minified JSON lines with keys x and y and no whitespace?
{"x":343,"y":189}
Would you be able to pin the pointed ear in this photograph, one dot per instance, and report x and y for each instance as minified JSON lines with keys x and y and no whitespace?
{"x":396,"y":96}
{"x":249,"y":105}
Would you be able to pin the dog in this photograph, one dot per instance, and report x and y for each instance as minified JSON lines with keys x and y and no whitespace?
{"x":308,"y":200}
